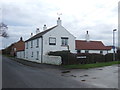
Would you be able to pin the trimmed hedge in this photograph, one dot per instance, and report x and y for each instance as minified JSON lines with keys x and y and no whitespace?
{"x":67,"y":57}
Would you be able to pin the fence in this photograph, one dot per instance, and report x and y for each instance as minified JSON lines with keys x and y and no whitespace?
{"x":82,"y":58}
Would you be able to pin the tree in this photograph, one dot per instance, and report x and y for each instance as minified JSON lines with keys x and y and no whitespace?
{"x":3,"y":30}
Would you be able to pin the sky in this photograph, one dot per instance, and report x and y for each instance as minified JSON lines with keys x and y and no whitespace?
{"x":22,"y":17}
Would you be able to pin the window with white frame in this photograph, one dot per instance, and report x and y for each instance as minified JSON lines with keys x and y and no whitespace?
{"x":101,"y":52}
{"x":26,"y":54}
{"x":52,"y":41}
{"x":32,"y":54}
{"x":37,"y":42}
{"x":64,"y":41}
{"x":37,"y":55}
{"x":86,"y":51}
{"x":26,"y":45}
{"x":31,"y":43}
{"x":78,"y":51}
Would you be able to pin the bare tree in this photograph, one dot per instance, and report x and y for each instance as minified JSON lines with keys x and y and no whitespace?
{"x":3,"y":30}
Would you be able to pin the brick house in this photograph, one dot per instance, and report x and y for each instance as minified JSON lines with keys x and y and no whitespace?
{"x":83,"y":46}
{"x":14,"y":48}
{"x":18,"y":46}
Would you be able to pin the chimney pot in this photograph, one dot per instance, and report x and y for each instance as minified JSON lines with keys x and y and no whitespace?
{"x":59,"y":21}
{"x":31,"y":35}
{"x":37,"y":30}
{"x":45,"y":27}
{"x":87,"y":37}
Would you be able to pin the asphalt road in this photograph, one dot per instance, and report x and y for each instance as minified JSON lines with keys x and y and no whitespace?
{"x":16,"y":75}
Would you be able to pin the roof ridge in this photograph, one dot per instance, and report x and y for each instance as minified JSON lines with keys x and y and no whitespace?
{"x":41,"y":33}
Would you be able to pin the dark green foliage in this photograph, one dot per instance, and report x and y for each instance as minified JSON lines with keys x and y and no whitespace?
{"x":67,"y":57}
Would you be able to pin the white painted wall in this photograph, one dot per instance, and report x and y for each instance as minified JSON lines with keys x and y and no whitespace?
{"x":55,"y":60}
{"x":96,"y":51}
{"x":34,"y":49}
{"x":21,"y":54}
{"x":58,"y":32}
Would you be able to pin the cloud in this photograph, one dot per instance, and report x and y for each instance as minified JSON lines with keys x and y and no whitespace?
{"x":99,"y":17}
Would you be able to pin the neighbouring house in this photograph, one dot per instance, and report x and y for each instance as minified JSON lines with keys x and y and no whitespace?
{"x":18,"y":46}
{"x":87,"y":46}
{"x":15,"y":47}
{"x":83,"y":46}
{"x":56,"y":38}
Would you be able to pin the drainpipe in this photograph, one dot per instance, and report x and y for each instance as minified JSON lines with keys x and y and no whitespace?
{"x":41,"y":49}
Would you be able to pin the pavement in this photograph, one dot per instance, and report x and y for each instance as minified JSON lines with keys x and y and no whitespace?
{"x":50,"y":76}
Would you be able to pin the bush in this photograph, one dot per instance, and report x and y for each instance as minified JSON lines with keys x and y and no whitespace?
{"x":70,"y":58}
{"x":67,"y":57}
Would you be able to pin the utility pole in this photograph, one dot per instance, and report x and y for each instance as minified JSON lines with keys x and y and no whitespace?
{"x":114,"y":44}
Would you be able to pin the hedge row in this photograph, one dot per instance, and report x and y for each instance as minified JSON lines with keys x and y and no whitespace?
{"x":70,"y":58}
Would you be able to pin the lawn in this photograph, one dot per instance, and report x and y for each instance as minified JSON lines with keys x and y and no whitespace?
{"x":87,"y":66}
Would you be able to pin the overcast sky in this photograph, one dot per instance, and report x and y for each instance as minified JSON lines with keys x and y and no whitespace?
{"x":99,"y":17}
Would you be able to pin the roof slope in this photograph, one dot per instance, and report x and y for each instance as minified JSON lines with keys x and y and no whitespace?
{"x":41,"y":33}
{"x":91,"y":45}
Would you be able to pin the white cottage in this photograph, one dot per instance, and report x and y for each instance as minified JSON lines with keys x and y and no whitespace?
{"x":56,"y":38}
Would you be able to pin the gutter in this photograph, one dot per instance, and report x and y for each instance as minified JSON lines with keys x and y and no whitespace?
{"x":41,"y":49}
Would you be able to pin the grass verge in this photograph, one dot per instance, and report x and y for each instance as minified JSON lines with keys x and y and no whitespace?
{"x":87,"y":66}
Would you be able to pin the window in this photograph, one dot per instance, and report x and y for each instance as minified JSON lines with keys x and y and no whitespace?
{"x":32,"y":54}
{"x":64,"y":41}
{"x":86,"y":51}
{"x":24,"y":54}
{"x":27,"y":45}
{"x":37,"y":55}
{"x":31,"y":43}
{"x":78,"y":51}
{"x":101,"y":52}
{"x":52,"y":41}
{"x":37,"y":43}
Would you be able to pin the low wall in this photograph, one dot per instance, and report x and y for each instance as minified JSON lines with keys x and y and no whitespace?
{"x":55,"y":60}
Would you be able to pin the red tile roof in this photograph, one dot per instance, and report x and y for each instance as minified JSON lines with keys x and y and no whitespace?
{"x":91,"y":45}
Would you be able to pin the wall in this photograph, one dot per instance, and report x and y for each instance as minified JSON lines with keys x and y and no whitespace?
{"x":55,"y":60}
{"x":58,"y":32}
{"x":21,"y":54}
{"x":96,"y":51}
{"x":34,"y":49}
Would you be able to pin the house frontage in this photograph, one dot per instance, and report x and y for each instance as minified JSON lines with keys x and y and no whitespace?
{"x":56,"y":38}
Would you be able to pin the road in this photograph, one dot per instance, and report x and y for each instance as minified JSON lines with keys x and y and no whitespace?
{"x":17,"y":75}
